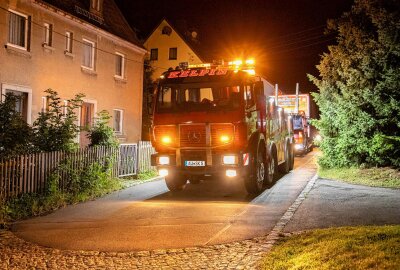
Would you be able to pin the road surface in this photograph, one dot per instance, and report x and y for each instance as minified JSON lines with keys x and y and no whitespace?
{"x":148,"y":216}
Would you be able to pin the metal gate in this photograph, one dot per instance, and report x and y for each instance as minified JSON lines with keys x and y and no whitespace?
{"x":127,"y":162}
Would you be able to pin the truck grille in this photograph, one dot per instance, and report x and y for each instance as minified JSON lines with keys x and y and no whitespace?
{"x":193,"y":135}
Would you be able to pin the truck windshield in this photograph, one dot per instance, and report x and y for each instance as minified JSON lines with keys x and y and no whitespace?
{"x":196,"y":97}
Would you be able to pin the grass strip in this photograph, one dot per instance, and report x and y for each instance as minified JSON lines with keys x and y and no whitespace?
{"x":373,"y":177}
{"x":358,"y":248}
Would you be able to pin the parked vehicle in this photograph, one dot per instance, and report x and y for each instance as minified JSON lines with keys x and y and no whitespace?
{"x":216,"y":120}
{"x":298,"y":106}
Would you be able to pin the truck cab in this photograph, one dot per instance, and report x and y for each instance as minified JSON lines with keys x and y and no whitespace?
{"x":216,"y":120}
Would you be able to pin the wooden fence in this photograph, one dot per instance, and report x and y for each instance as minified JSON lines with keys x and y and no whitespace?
{"x":30,"y":173}
{"x":144,"y":156}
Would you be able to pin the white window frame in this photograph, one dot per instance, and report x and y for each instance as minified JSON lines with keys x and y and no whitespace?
{"x":23,"y":89}
{"x":92,"y":60}
{"x":122,"y":66}
{"x":25,"y":48}
{"x":121,"y":121}
{"x":69,"y":39}
{"x":48,"y":34}
{"x":64,"y":109}
{"x":44,"y":104}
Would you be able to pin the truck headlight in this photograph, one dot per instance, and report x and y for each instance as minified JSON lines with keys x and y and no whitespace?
{"x":163,"y":160}
{"x":224,"y":138}
{"x":166,"y":140}
{"x":298,"y":146}
{"x":230,"y":160}
{"x":163,"y":172}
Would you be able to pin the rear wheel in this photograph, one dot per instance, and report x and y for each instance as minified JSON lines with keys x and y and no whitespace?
{"x":254,"y":182}
{"x":291,"y":158}
{"x":285,"y":167}
{"x":272,"y":169}
{"x":175,"y":182}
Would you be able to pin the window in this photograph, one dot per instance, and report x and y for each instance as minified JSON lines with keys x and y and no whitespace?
{"x":48,"y":34}
{"x":119,"y":65}
{"x":18,"y":30}
{"x":166,"y":30}
{"x":173,"y":53}
{"x":117,"y":120}
{"x":154,"y":54}
{"x":88,"y":54}
{"x":24,"y":102}
{"x":65,"y":108}
{"x":68,"y":41}
{"x":45,"y":107}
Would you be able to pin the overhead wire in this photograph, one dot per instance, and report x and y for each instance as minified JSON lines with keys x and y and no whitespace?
{"x":82,"y":43}
{"x":299,"y":37}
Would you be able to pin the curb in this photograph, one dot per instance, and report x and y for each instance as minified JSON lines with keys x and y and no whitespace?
{"x":276,"y":232}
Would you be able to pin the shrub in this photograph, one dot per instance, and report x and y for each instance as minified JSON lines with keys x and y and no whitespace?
{"x":55,"y":129}
{"x":15,"y":134}
{"x":101,"y":133}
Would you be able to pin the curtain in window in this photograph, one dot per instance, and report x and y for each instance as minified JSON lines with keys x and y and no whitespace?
{"x":16,"y":30}
{"x":118,"y":65}
{"x":87,"y":59}
{"x":117,"y":120}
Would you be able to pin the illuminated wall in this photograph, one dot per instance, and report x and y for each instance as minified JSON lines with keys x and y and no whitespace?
{"x":163,"y":42}
{"x":43,"y":67}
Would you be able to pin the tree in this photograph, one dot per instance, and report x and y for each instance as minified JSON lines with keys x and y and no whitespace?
{"x":15,"y":133}
{"x":101,"y":133}
{"x":359,"y":89}
{"x":148,"y":91}
{"x":56,"y":128}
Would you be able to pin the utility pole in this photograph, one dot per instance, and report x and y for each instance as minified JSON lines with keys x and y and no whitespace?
{"x":296,"y":108}
{"x":276,"y":94}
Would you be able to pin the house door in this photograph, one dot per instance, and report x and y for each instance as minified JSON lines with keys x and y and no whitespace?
{"x":86,"y":121}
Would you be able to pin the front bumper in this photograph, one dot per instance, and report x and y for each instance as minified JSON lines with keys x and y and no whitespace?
{"x":213,"y":164}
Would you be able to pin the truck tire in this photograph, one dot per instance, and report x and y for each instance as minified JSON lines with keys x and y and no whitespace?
{"x":175,"y":182}
{"x":285,"y":167}
{"x":255,"y":180}
{"x":271,"y":171}
{"x":291,"y":156}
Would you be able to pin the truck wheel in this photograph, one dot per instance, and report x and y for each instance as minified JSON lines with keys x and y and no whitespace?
{"x":254,"y":181}
{"x":175,"y":182}
{"x":291,"y":152}
{"x":285,"y":167}
{"x":273,"y":169}
{"x":194,"y":180}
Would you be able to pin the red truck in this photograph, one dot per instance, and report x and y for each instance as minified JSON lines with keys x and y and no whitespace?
{"x":218,"y":120}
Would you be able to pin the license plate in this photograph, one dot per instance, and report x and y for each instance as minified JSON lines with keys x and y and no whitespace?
{"x":192,"y":163}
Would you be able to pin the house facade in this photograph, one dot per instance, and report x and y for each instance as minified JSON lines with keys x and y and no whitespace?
{"x":73,"y":47}
{"x":167,"y":48}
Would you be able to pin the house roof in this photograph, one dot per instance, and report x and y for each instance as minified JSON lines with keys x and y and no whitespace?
{"x":194,"y":44}
{"x":112,"y":21}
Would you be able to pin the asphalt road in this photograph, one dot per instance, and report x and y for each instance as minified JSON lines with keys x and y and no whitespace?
{"x":148,"y":216}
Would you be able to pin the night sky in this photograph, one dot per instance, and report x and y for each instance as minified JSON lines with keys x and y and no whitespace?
{"x":284,"y":36}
